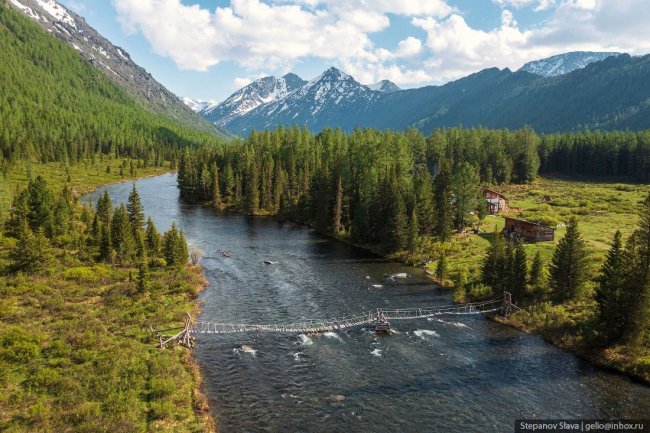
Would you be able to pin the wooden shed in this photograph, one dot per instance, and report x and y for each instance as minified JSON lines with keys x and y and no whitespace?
{"x":529,"y":231}
{"x":496,"y":201}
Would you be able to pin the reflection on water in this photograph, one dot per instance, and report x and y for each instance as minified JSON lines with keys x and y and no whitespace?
{"x":444,"y":375}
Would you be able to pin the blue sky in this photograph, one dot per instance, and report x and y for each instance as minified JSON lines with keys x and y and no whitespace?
{"x":206,"y":49}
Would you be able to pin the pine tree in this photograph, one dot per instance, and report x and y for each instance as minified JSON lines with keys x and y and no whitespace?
{"x":41,"y":204}
{"x":252,"y":190}
{"x":337,"y":210}
{"x":536,"y":275}
{"x":612,"y":309}
{"x":105,"y":243}
{"x":152,"y":239}
{"x":413,"y":229}
{"x":519,"y":273}
{"x":569,"y":265}
{"x":182,"y":252}
{"x":170,"y":245}
{"x":143,"y":281}
{"x":441,"y":268}
{"x":491,"y":271}
{"x":465,"y":186}
{"x":135,"y":210}
{"x":443,"y":205}
{"x":104,"y":208}
{"x":32,"y":251}
{"x":216,"y":189}
{"x":122,"y":235}
{"x":424,"y":200}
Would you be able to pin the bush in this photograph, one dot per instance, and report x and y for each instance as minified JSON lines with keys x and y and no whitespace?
{"x":82,"y":274}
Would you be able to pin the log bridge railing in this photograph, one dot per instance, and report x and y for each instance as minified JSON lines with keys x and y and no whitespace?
{"x":379,"y":317}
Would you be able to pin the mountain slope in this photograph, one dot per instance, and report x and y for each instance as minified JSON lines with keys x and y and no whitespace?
{"x":385,"y":86}
{"x":610,"y":94}
{"x":259,"y":92}
{"x":114,"y":61}
{"x":564,"y":63}
{"x":331,"y":99}
{"x":54,"y":106}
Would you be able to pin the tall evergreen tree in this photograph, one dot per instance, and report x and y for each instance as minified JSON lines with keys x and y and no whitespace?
{"x":465,"y":187}
{"x":443,"y":205}
{"x":122,"y":235}
{"x":569,"y":265}
{"x":104,"y":208}
{"x":413,"y":230}
{"x":152,"y":239}
{"x":519,"y":274}
{"x":135,"y":210}
{"x":536,"y":275}
{"x":612,"y":308}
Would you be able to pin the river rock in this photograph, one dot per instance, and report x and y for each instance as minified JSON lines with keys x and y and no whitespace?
{"x":335,"y":398}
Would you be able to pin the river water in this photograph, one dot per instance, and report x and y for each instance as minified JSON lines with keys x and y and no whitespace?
{"x":457,"y":374}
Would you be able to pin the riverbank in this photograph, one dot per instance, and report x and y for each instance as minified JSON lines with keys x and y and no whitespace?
{"x":77,"y":353}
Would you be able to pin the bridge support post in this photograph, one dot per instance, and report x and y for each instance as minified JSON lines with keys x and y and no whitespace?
{"x":381,"y":325}
{"x":184,"y":338}
{"x":507,"y":307}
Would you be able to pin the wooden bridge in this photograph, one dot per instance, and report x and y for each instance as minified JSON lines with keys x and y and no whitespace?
{"x":380,"y":319}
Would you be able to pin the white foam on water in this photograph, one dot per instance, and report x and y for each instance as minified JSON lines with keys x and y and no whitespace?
{"x":245,"y":349}
{"x":426,"y":332}
{"x":376,"y":352}
{"x":305,"y":340}
{"x":456,"y":324}
{"x":332,"y":335}
{"x":376,"y":286}
{"x":297,"y":356}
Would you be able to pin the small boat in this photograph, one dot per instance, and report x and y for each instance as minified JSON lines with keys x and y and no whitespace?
{"x":268,"y":262}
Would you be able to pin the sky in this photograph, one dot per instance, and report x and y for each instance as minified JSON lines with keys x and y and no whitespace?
{"x":207,"y":49}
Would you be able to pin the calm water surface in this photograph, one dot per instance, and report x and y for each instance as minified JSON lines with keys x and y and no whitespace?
{"x":462,"y":374}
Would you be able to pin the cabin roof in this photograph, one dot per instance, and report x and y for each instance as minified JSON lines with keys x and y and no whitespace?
{"x":528,"y":222}
{"x":493,"y":192}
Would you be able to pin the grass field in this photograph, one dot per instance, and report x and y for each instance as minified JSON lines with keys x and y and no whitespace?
{"x":601,"y":208}
{"x":83,"y":177}
{"x":76,"y":350}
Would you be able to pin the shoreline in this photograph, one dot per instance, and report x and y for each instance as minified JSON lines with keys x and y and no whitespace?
{"x":201,"y":404}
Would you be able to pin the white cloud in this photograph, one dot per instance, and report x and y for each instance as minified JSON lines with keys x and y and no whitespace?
{"x":273,"y":35}
{"x":240,"y":82}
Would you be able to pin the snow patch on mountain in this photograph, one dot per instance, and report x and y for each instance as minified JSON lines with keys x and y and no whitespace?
{"x":57,"y":11}
{"x":565,"y":63}
{"x":26,"y":10}
{"x":384,"y":86}
{"x":196,"y":105}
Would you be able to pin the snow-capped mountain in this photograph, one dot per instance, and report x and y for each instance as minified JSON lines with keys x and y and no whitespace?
{"x":564,"y":63}
{"x":385,"y":86}
{"x":326,"y":100}
{"x":259,"y":92}
{"x":114,"y":61}
{"x":196,"y":105}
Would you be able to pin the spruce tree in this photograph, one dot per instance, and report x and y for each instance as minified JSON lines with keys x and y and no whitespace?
{"x":413,"y":229}
{"x":519,"y":273}
{"x":465,"y":187}
{"x":105,"y":243}
{"x":424,"y":200}
{"x":337,"y":210}
{"x":122,"y":235}
{"x":32,"y":251}
{"x":182,"y":252}
{"x":152,"y":239}
{"x":135,"y":210}
{"x":441,"y":268}
{"x":443,"y":206}
{"x":612,"y":308}
{"x":536,"y":275}
{"x":491,"y":271}
{"x":216,"y":189}
{"x":104,"y":208}
{"x":569,"y":265}
{"x":143,"y":281}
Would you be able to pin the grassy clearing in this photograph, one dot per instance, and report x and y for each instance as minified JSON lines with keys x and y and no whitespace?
{"x":83,"y":177}
{"x":601,"y":208}
{"x":76,"y":350}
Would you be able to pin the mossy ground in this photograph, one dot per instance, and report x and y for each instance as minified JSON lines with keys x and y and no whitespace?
{"x":602,"y":207}
{"x":76,"y":350}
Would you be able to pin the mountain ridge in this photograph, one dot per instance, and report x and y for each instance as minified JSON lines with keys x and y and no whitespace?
{"x":114,"y":61}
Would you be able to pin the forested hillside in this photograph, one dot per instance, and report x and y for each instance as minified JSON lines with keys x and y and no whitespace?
{"x":367,"y":184}
{"x":54,"y":106}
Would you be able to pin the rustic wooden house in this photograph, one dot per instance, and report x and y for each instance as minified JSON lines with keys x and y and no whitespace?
{"x":529,"y":231}
{"x":496,"y":201}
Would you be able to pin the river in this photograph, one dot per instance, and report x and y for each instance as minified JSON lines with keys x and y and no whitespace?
{"x":456,"y":374}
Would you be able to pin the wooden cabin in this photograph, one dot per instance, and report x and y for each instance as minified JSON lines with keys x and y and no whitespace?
{"x":496,"y":201}
{"x":528,"y":231}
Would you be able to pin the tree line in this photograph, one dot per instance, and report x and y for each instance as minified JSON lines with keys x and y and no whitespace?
{"x":55,"y":106}
{"x":40,"y":220}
